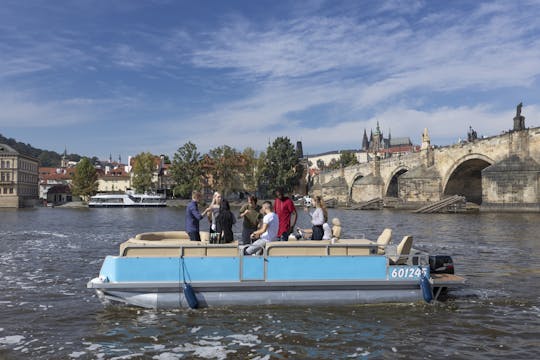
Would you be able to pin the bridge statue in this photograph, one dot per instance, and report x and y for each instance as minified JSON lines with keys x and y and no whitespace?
{"x":519,"y":120}
{"x":425,"y":140}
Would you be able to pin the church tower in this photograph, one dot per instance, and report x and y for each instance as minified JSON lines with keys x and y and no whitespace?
{"x":376,"y":145}
{"x":365,"y":141}
{"x":64,"y":160}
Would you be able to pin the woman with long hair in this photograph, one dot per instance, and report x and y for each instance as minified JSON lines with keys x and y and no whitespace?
{"x":318,"y":218}
{"x":224,"y":222}
{"x":251,"y":213}
{"x":213,"y":212}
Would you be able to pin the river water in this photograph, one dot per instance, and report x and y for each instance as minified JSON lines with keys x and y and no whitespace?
{"x":47,"y":255}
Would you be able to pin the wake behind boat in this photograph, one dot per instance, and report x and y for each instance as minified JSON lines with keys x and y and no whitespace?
{"x":154,"y":270}
{"x":129,"y":199}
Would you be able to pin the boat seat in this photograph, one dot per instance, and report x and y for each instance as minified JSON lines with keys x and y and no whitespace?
{"x":402,"y":252}
{"x":336,"y":228}
{"x":297,"y":248}
{"x":383,"y":240}
{"x":357,"y":247}
{"x":224,"y":250}
{"x":171,"y":248}
{"x":170,"y":235}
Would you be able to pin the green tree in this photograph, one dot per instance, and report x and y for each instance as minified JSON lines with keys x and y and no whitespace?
{"x":84,"y":182}
{"x":281,"y":166}
{"x":248,"y":170}
{"x":348,"y":158}
{"x":320,"y":164}
{"x":186,"y":170}
{"x":226,"y":169}
{"x":334,"y":164}
{"x":143,"y":172}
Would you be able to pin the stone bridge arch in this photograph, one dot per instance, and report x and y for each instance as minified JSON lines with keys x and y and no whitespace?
{"x":391,"y":184}
{"x":464,"y":177}
{"x":354,"y":195}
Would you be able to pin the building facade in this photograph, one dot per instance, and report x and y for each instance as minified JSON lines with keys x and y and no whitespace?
{"x":18,"y":178}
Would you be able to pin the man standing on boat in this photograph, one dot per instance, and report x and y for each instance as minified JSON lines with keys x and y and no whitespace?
{"x":268,"y":231}
{"x":284,"y":208}
{"x":193,"y":216}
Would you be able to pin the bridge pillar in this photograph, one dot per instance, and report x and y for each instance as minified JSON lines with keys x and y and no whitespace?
{"x":512,"y":184}
{"x":420,"y":185}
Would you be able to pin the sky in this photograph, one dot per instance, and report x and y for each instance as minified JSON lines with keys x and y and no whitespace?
{"x":121,"y":77}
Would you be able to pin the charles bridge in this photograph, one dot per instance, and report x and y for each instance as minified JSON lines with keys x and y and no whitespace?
{"x":499,"y":173}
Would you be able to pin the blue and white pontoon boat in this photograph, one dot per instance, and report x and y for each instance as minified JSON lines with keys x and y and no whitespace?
{"x":153,"y":270}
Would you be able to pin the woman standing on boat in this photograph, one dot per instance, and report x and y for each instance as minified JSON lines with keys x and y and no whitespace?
{"x":224,"y":222}
{"x":213,"y":212}
{"x":251,"y":213}
{"x":318,"y":218}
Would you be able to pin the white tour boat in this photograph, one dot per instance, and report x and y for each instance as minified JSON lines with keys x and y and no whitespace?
{"x":129,"y":199}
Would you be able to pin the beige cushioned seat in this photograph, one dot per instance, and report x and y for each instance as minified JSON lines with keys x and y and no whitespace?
{"x":170,"y":243}
{"x":403,"y":250}
{"x":297,"y":248}
{"x":383,"y":240}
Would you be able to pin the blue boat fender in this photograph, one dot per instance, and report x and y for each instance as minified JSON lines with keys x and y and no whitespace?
{"x":425,"y":285}
{"x":189,"y":294}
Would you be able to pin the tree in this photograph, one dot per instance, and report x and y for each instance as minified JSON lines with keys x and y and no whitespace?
{"x":84,"y":182}
{"x":225,"y":169}
{"x":320,"y":164}
{"x":143,"y":172}
{"x":334,"y":164}
{"x":249,"y":170}
{"x":348,"y":158}
{"x":281,"y":166}
{"x":186,"y":170}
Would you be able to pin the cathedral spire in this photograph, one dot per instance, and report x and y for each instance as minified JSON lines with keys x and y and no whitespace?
{"x":365,"y":141}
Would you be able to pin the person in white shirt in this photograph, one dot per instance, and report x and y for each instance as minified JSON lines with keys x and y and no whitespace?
{"x":318,"y":218}
{"x":327,"y":231}
{"x":268,"y":231}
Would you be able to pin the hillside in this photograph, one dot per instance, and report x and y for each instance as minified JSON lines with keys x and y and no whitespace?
{"x":45,"y":157}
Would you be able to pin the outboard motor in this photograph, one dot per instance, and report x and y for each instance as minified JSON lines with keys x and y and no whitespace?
{"x":441,"y":264}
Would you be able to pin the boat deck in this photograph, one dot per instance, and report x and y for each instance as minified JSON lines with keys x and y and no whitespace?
{"x":443,"y":280}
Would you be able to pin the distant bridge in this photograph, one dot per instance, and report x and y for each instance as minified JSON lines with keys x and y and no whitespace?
{"x":499,"y":173}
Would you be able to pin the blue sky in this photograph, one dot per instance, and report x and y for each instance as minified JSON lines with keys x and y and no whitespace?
{"x":121,"y":77}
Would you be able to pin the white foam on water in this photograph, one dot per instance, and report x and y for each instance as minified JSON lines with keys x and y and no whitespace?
{"x":245,"y":339}
{"x":46,"y":233}
{"x":214,"y":350}
{"x":195,"y":329}
{"x":11,"y":340}
{"x":76,"y":354}
{"x":93,"y":347}
{"x":127,"y":357}
{"x":155,"y":347}
{"x":168,"y":356}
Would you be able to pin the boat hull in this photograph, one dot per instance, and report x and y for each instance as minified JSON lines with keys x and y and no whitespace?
{"x":249,"y":293}
{"x":153,"y":269}
{"x":311,"y":280}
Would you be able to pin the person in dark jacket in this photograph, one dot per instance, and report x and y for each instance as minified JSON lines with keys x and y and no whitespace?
{"x":193,"y":217}
{"x":225,"y":222}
